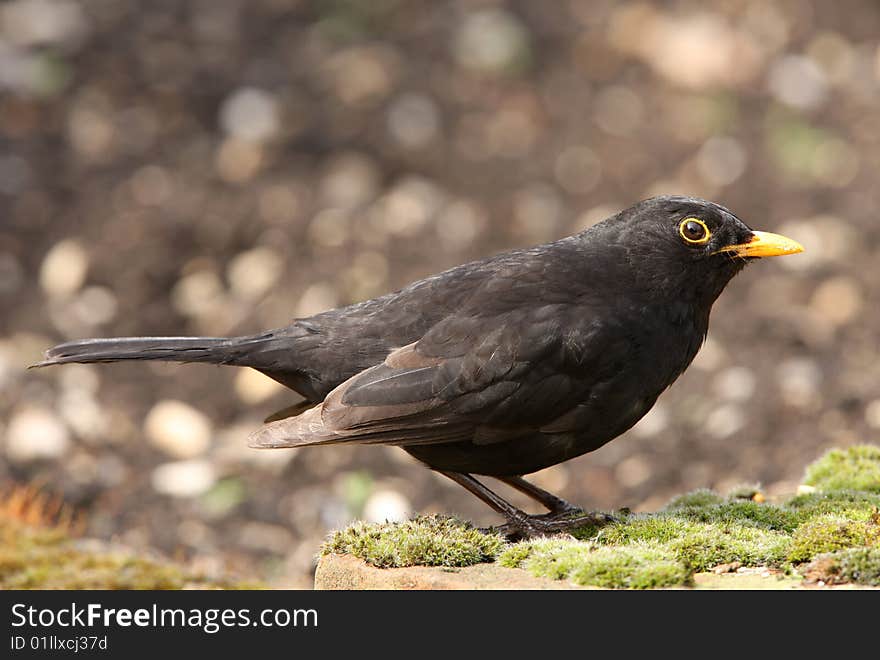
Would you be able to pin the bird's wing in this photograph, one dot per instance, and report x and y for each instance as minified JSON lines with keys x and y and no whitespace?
{"x":484,"y":379}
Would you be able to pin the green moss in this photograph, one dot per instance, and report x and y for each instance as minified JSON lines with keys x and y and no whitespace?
{"x":745,"y":492}
{"x":738,"y":507}
{"x":858,"y":565}
{"x":514,"y":555}
{"x":633,"y":567}
{"x":835,"y":501}
{"x":700,"y":544}
{"x":661,"y":528}
{"x":45,"y":558}
{"x":856,"y":468}
{"x":638,"y":566}
{"x":552,"y":555}
{"x":852,"y":504}
{"x":831,"y":532}
{"x":712,"y":544}
{"x":425,"y":541}
{"x":702,"y":497}
{"x":746,"y":513}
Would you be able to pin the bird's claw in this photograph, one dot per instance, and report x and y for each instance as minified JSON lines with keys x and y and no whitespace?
{"x":547,"y":524}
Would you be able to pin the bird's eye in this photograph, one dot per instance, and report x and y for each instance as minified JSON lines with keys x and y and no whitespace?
{"x":694,"y":230}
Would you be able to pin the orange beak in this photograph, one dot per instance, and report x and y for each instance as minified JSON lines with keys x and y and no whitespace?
{"x":764,"y":244}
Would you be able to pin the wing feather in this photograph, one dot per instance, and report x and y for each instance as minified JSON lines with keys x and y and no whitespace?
{"x":467,"y":379}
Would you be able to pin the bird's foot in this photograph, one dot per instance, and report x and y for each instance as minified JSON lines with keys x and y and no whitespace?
{"x":563,"y":508}
{"x":558,"y":522}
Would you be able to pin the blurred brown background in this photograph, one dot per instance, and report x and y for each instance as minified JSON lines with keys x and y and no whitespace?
{"x":220,"y":166}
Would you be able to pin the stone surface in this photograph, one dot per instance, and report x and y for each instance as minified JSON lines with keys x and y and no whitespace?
{"x":342,"y":572}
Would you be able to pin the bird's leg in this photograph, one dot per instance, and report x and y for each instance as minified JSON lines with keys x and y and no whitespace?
{"x":556,"y":505}
{"x":496,"y":502}
{"x":519,"y":523}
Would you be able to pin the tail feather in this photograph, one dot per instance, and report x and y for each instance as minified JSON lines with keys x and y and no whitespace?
{"x":217,"y":350}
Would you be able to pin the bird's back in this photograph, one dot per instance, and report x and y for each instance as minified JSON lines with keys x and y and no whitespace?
{"x":335,"y":345}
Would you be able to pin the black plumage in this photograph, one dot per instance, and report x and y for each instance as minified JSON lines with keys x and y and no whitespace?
{"x":502,"y":366}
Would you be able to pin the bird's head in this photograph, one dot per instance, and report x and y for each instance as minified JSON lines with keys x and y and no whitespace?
{"x":688,"y":248}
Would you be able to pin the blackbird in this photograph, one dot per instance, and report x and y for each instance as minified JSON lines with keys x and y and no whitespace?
{"x":502,"y":366}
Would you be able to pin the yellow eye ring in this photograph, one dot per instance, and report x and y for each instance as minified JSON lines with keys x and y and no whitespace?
{"x":694,"y":231}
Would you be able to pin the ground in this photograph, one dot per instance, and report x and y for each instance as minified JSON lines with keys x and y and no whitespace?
{"x":827,"y":534}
